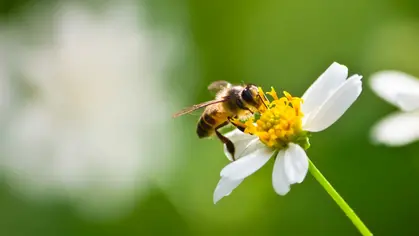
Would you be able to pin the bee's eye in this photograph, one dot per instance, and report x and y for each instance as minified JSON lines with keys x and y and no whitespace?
{"x":247,"y":96}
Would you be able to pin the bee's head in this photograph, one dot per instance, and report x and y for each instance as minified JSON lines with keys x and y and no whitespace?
{"x":250,"y":95}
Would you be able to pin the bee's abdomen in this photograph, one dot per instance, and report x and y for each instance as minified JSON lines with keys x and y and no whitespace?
{"x":206,"y":125}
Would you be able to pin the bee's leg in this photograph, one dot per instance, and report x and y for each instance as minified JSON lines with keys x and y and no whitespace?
{"x":238,"y":126}
{"x":229,"y":145}
{"x":250,"y":110}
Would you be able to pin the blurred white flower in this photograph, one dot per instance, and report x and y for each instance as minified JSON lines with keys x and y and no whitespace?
{"x":4,"y":78}
{"x":89,"y":127}
{"x":401,"y":90}
{"x":282,"y":131}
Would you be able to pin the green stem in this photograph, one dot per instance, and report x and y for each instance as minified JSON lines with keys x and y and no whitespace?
{"x":338,"y":199}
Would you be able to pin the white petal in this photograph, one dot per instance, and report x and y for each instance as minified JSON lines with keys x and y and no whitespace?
{"x":394,"y":86}
{"x":334,"y":107}
{"x":224,"y":187}
{"x":242,"y":143}
{"x":324,"y":86}
{"x":248,"y":164}
{"x":397,"y":129}
{"x":296,"y":163}
{"x":237,"y":135}
{"x":280,"y":180}
{"x":408,"y":102}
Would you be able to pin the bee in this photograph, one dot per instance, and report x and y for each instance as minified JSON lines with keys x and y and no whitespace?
{"x":231,"y":102}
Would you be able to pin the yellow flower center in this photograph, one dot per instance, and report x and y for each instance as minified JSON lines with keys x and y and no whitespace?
{"x":279,"y":121}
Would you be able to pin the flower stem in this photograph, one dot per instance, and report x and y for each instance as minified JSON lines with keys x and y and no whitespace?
{"x":338,"y":199}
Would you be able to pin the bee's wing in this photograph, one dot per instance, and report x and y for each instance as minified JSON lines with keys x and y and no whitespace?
{"x":197,"y":106}
{"x":218,"y":85}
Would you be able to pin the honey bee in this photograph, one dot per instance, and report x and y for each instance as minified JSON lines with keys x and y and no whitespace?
{"x":231,"y":102}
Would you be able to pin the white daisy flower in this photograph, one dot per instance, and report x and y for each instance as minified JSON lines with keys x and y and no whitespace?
{"x":88,"y":131}
{"x":401,"y":90}
{"x":282,"y":131}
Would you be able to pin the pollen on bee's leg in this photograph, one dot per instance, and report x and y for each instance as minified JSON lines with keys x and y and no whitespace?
{"x":240,"y":127}
{"x":237,"y":123}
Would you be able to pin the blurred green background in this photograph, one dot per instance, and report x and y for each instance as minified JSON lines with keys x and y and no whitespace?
{"x":286,"y":44}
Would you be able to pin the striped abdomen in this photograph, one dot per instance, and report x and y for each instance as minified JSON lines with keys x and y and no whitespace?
{"x":207,"y":123}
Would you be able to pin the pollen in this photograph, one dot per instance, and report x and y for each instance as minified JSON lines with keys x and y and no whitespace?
{"x":279,"y":121}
